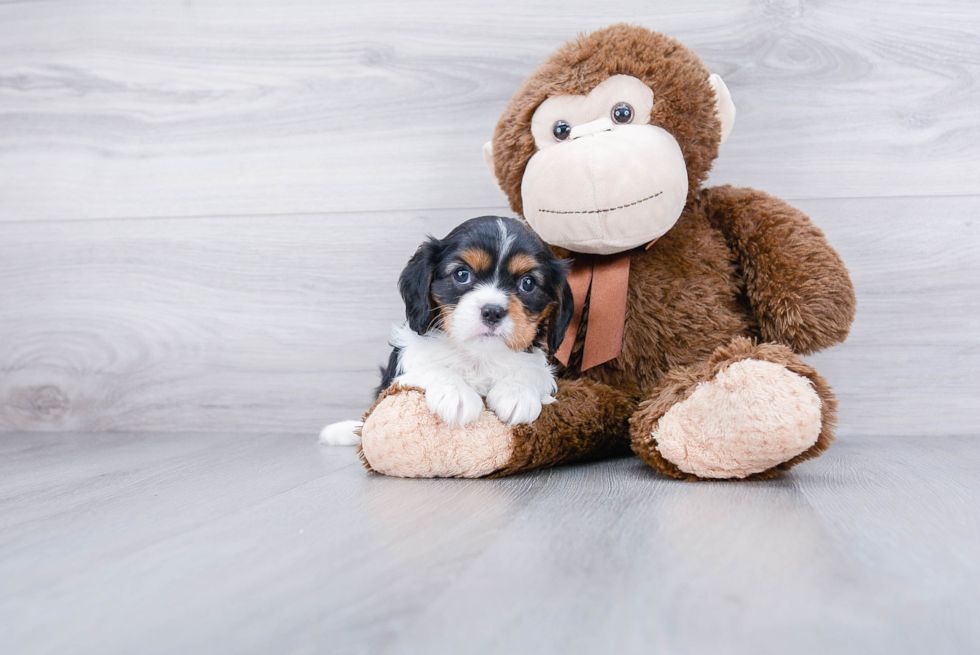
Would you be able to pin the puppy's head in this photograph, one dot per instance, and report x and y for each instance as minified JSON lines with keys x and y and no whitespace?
{"x":490,"y":278}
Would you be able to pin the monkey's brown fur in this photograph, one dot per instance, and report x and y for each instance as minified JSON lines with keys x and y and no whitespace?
{"x":738,"y":263}
{"x":590,"y":422}
{"x":741,"y":275}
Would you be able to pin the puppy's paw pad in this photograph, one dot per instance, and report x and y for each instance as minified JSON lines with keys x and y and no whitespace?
{"x":456,"y":404}
{"x":514,"y":404}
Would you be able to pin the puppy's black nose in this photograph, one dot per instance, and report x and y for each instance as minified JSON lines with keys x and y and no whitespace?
{"x":492,"y":314}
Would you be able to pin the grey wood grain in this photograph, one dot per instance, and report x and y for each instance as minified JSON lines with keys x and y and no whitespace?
{"x":270,"y":543}
{"x":120,"y":109}
{"x":196,"y":320}
{"x":279,"y":322}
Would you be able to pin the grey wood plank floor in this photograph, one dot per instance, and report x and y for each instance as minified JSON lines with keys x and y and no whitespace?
{"x":260,"y":543}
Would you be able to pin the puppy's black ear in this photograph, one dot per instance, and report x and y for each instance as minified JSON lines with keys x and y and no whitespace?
{"x":414,"y":285}
{"x":562,"y":316}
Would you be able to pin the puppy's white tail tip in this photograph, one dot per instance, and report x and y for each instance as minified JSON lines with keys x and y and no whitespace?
{"x":341,"y":434}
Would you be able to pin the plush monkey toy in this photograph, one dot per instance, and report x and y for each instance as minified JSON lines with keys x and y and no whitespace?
{"x":693,"y":305}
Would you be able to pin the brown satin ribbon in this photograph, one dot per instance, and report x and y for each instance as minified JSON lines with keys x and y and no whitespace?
{"x":608,"y":276}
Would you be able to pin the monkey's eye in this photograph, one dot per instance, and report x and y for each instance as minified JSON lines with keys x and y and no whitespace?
{"x":622,"y":113}
{"x":562,"y":130}
{"x":527,"y":284}
{"x":462,"y":276}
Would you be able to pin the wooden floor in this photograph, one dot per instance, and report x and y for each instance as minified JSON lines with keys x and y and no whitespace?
{"x":231,"y":543}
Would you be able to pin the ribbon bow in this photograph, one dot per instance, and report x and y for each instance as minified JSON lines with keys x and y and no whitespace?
{"x":608,"y":278}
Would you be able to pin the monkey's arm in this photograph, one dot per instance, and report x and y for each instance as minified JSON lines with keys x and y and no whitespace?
{"x":401,"y":436}
{"x":588,"y":420}
{"x":797,"y":285}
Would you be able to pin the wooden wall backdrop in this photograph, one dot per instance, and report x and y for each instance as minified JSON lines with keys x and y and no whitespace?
{"x":204,"y":205}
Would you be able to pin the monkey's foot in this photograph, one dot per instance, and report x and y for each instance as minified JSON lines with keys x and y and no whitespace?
{"x":749,"y":411}
{"x":403,"y":438}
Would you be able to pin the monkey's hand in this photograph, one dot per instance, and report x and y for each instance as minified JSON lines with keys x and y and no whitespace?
{"x":403,"y":437}
{"x":796,"y":283}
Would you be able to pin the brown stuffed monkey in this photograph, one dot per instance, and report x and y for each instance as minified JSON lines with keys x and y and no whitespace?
{"x":693,"y":304}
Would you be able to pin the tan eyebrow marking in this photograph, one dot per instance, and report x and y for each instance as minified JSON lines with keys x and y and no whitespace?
{"x":521,"y":263}
{"x":477,"y":258}
{"x":602,"y":211}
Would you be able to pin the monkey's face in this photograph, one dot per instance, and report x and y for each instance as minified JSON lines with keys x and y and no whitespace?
{"x":603,"y":179}
{"x":607,"y":140}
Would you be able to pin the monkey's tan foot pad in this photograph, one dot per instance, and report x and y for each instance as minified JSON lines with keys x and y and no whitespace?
{"x":752,"y":416}
{"x":401,"y":437}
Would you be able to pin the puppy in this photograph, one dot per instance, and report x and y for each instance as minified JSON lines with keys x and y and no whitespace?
{"x":481,"y":306}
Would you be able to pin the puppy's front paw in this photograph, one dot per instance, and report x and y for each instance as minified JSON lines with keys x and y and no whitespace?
{"x":456,"y":404}
{"x":514,"y":404}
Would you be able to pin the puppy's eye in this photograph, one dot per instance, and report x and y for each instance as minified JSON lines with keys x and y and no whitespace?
{"x":622,"y":113}
{"x":562,"y":130}
{"x":462,"y":276}
{"x":527,"y":284}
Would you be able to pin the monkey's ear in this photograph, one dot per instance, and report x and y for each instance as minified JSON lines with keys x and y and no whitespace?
{"x":488,"y":160}
{"x":414,"y":284}
{"x":724,"y":105}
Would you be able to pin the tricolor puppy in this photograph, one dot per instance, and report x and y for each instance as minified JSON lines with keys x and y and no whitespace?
{"x":481,"y":305}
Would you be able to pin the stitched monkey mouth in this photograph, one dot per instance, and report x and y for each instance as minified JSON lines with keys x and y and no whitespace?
{"x":601,"y":211}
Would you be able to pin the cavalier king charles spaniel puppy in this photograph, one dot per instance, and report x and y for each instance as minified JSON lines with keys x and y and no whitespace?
{"x":481,"y":307}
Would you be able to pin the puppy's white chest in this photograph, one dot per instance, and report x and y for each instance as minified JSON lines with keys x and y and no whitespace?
{"x":456,"y":377}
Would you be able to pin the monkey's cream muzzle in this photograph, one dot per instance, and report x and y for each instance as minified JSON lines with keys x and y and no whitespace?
{"x":608,"y":188}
